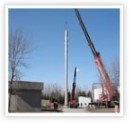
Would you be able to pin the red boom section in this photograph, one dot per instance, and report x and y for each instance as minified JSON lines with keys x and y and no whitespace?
{"x":105,"y":77}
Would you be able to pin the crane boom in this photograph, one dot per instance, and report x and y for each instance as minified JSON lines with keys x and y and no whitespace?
{"x":86,"y":33}
{"x":74,"y":85}
{"x":73,"y":103}
{"x":97,"y":58}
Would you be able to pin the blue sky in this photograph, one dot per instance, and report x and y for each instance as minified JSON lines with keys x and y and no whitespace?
{"x":44,"y":29}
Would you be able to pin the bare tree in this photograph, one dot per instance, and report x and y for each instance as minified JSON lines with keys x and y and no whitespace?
{"x":53,"y":92}
{"x":18,"y":50}
{"x":80,"y":92}
{"x":114,"y":72}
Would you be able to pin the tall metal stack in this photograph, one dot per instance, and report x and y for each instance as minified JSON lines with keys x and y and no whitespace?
{"x":66,"y":67}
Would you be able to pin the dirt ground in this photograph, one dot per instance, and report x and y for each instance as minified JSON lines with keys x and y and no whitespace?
{"x":101,"y":110}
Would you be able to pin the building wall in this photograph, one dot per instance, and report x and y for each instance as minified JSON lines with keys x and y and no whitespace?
{"x":97,"y":93}
{"x":19,"y":105}
{"x":83,"y":101}
{"x":26,"y":96}
{"x":32,"y":97}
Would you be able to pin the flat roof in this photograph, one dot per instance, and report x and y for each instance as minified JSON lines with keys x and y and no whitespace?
{"x":27,"y":85}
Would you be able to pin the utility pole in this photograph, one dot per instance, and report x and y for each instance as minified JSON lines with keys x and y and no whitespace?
{"x":66,"y":67}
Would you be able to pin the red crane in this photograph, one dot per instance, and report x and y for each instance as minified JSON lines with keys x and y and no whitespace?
{"x":110,"y":95}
